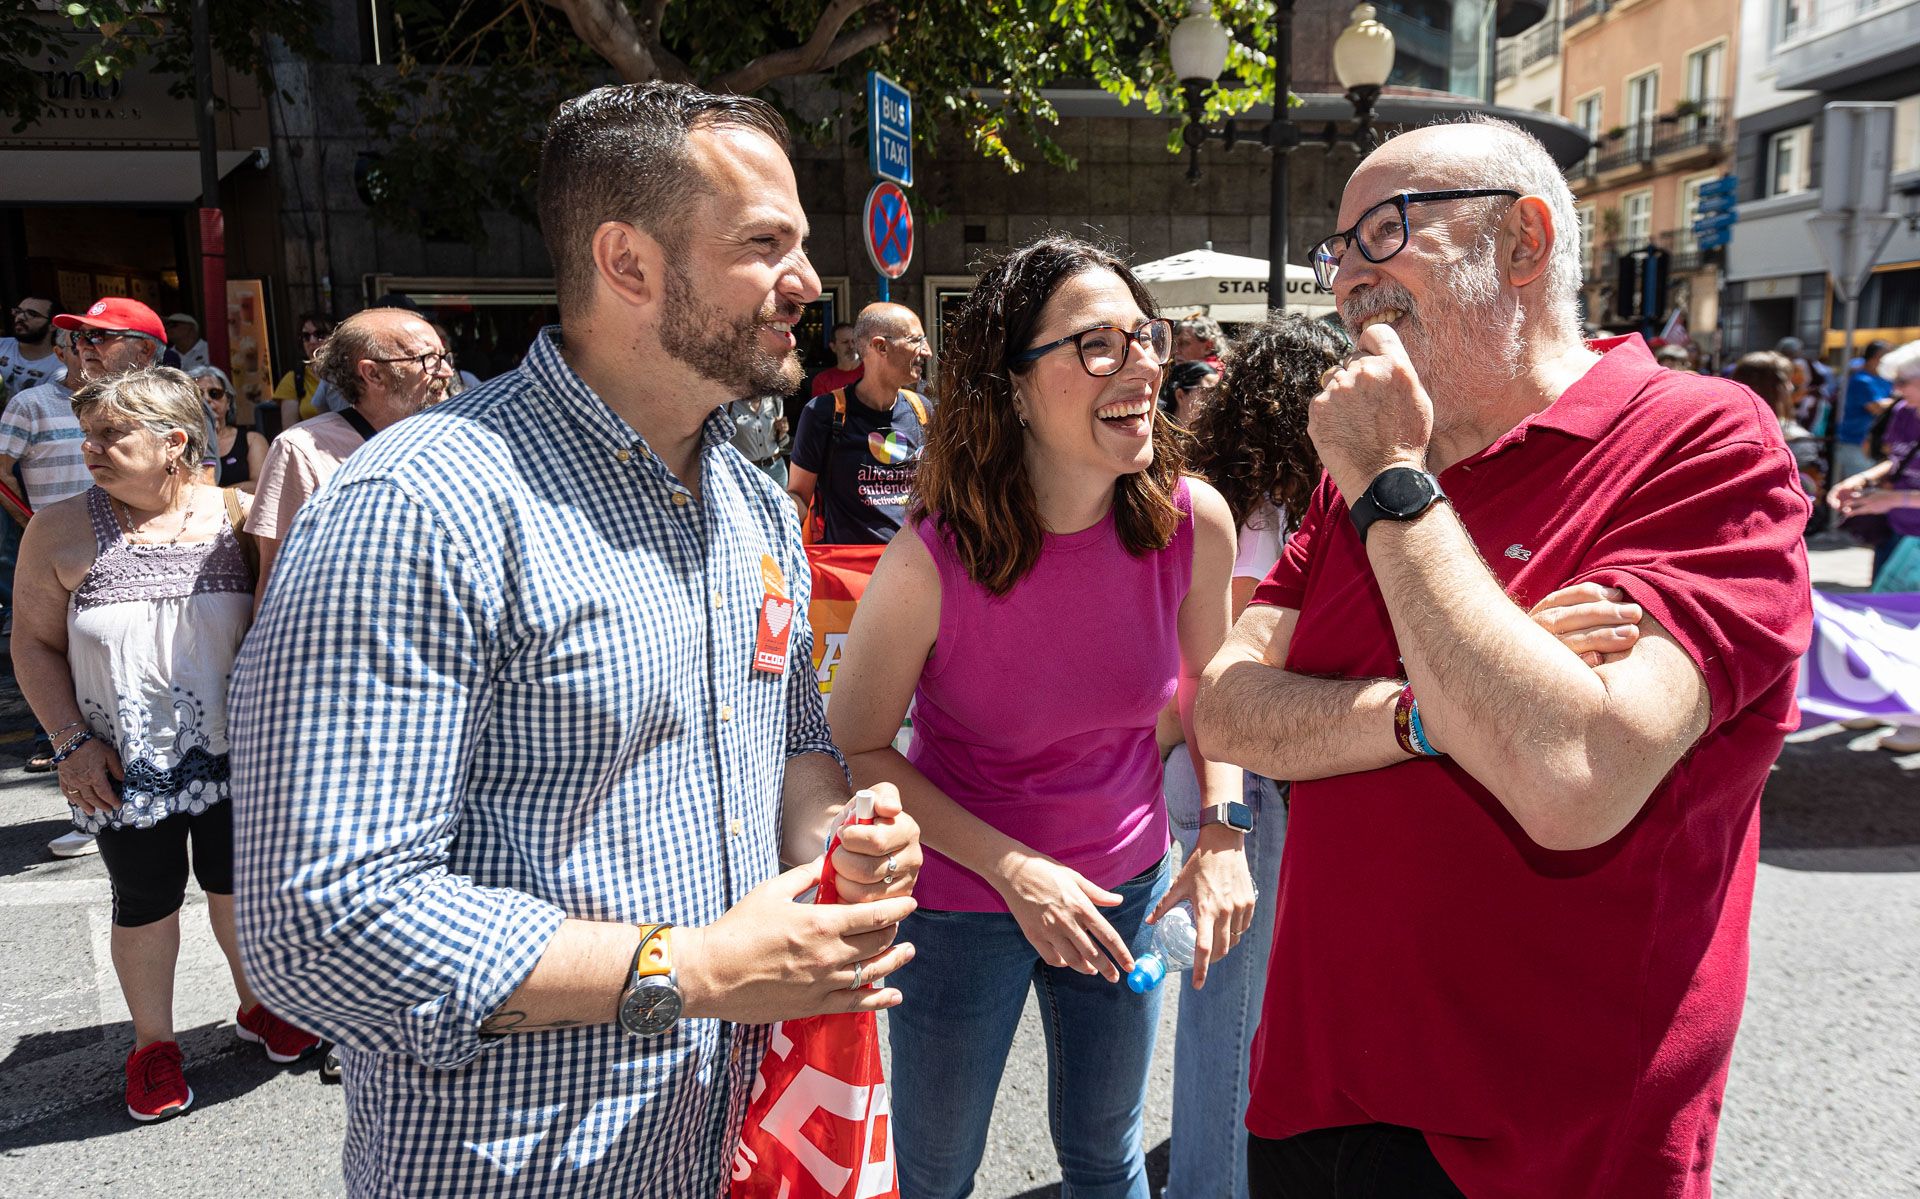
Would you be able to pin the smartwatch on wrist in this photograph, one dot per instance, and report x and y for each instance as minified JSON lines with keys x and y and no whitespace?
{"x":651,"y":1003}
{"x":1234,"y":815}
{"x":1397,"y":493}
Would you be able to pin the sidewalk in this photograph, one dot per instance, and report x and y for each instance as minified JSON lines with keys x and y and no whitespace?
{"x":64,"y":1035}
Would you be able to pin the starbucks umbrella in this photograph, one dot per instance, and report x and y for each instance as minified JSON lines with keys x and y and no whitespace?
{"x":1230,"y":288}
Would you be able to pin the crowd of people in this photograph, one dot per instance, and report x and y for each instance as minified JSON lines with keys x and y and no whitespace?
{"x":1439,"y":687}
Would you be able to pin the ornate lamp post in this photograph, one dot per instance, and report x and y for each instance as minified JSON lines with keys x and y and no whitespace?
{"x":1362,"y":60}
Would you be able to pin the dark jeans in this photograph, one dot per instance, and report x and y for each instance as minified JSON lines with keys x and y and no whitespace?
{"x":1362,"y":1161}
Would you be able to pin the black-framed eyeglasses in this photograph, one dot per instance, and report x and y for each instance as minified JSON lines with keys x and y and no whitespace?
{"x":428,"y":362}
{"x":1382,"y":231}
{"x":94,"y":337}
{"x":44,"y":316}
{"x":1103,"y":348}
{"x":215,"y":393}
{"x":312,"y":335}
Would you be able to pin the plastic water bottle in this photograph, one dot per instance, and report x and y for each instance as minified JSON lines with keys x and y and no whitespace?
{"x":1173,"y":939}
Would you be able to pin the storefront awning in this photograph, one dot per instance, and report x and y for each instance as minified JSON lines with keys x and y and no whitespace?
{"x":105,"y":176}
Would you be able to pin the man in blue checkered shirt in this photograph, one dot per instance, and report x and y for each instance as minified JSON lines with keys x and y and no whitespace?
{"x":533,"y":675}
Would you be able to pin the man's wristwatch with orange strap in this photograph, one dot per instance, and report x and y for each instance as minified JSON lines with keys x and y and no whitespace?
{"x":651,"y":1003}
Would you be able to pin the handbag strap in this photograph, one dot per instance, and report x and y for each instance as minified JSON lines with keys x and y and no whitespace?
{"x":360,"y":424}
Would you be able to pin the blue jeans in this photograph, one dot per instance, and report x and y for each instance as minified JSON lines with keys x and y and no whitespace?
{"x":1214,"y":1044}
{"x":964,"y":992}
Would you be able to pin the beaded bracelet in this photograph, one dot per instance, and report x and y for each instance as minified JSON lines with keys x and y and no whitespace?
{"x":1406,"y":726}
{"x":79,"y":739}
{"x":1420,"y":734}
{"x":71,"y":724}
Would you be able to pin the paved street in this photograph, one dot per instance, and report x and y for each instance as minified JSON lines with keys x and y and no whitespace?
{"x":1824,"y":1099}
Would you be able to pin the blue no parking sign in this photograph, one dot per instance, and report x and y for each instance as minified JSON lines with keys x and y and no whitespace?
{"x":888,"y":230}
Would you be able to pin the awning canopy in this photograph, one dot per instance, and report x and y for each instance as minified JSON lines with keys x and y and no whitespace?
{"x":108,"y":176}
{"x":1230,"y":288}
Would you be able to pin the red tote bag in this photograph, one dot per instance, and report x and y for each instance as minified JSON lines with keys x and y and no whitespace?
{"x":819,"y":1123}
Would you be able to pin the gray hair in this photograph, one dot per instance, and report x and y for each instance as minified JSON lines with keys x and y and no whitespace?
{"x":1206,"y":329}
{"x":1901,"y":363}
{"x":1512,"y":157}
{"x":159,"y":399}
{"x":219,"y":376}
{"x":337,"y":361}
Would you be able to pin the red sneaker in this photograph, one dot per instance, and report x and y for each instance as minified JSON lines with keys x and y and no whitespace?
{"x":156,"y":1088}
{"x":284,"y":1042}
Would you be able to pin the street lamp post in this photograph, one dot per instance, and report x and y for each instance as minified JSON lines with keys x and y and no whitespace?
{"x":1362,"y":60}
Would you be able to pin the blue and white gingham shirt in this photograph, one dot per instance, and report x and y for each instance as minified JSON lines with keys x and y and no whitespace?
{"x":503,"y":676}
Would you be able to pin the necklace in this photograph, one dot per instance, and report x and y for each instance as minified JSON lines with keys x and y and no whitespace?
{"x":187,"y":519}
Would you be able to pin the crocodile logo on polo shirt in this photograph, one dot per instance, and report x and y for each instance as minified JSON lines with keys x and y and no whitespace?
{"x":1519,"y":552}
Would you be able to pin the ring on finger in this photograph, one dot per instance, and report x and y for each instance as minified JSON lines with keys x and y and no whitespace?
{"x":859,"y":975}
{"x":891,"y":869}
{"x":1326,"y":376}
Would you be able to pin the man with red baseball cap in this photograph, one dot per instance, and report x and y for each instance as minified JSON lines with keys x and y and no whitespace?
{"x":114,"y":335}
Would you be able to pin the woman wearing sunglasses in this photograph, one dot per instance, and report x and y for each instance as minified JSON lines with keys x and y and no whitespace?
{"x":1062,"y":581}
{"x":240,"y":453}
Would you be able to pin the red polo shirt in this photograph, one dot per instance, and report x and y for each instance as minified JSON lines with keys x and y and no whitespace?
{"x":1557,"y":1023}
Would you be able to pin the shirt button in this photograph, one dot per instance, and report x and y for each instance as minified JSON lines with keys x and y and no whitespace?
{"x":726,"y":711}
{"x":719,"y":600}
{"x":736,"y":826}
{"x":622,"y":455}
{"x":679,"y":499}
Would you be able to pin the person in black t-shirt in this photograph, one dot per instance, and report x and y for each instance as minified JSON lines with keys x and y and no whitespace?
{"x":858,"y":447}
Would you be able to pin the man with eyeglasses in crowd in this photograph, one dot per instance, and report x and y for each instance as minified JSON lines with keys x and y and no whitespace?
{"x":27,"y":359}
{"x":387,"y":364}
{"x":857,"y":447}
{"x":1511,"y":951}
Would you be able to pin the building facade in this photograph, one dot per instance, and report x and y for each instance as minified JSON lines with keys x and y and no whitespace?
{"x":312,"y":243}
{"x":1650,"y":82}
{"x":1796,"y":57}
{"x":1527,"y":68}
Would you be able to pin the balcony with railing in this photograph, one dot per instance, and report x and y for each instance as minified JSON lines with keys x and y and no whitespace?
{"x":1580,"y":10}
{"x":1539,"y":43}
{"x":1695,"y":131}
{"x":1506,"y":61}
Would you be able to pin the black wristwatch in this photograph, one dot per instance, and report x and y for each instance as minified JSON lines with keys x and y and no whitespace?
{"x":1396,"y":493}
{"x":1234,"y":814}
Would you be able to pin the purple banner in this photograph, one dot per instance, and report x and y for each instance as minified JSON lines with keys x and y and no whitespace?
{"x":1864,"y":659}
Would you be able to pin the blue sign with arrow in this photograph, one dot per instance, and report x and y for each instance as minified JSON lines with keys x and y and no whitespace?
{"x":889,"y":129}
{"x":1717,"y":212}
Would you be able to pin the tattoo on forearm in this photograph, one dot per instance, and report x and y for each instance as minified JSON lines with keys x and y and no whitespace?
{"x":505,"y":1022}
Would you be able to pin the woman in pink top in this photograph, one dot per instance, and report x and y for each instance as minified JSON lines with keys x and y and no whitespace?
{"x":1062,"y":581}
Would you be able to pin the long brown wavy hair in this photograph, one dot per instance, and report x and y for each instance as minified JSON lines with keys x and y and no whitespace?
{"x":1251,"y":439}
{"x":972,"y":477}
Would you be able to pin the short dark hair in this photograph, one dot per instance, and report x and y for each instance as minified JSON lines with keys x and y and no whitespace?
{"x":619,"y":153}
{"x":1875,"y":347}
{"x":839,"y":325}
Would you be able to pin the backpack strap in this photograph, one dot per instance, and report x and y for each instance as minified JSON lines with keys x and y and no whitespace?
{"x":919,"y":403}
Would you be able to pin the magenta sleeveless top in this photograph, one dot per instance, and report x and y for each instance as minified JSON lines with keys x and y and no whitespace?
{"x":1036,"y":709}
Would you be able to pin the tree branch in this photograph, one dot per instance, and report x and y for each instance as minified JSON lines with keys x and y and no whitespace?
{"x":823,"y":51}
{"x":608,"y":26}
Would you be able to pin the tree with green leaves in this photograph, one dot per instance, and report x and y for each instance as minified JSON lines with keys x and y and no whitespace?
{"x":459,"y":112}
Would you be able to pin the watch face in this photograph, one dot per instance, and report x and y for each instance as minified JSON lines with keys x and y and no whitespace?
{"x":1239,"y":816}
{"x":650,"y":1008}
{"x":1403,"y":491}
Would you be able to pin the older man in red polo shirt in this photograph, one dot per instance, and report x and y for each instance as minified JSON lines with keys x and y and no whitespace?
{"x":1511,"y":948}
